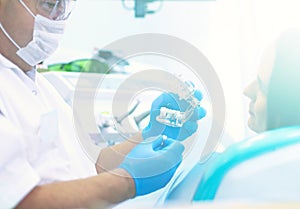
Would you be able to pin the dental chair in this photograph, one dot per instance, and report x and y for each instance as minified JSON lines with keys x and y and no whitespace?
{"x":262,"y":168}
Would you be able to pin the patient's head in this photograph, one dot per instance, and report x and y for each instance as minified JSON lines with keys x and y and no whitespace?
{"x":275,"y":94}
{"x":257,"y":91}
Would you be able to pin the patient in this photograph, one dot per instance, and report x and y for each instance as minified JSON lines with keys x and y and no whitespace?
{"x":275,"y":103}
{"x":274,"y":95}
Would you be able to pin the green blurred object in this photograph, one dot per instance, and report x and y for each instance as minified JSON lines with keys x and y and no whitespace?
{"x":81,"y":65}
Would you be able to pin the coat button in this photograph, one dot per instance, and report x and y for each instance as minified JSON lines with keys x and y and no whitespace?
{"x":34,"y":92}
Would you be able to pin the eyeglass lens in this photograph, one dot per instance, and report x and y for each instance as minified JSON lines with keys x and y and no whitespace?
{"x":55,"y":9}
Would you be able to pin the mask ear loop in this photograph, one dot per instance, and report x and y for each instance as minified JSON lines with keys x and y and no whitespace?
{"x":9,"y":37}
{"x":28,"y":10}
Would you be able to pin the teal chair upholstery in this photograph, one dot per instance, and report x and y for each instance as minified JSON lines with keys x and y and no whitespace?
{"x":262,"y":168}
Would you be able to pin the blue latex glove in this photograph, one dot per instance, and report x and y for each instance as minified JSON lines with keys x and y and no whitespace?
{"x":172,"y":101}
{"x":153,"y":163}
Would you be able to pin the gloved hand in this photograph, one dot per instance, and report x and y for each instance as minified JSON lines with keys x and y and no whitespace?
{"x":153,"y":163}
{"x":172,"y":101}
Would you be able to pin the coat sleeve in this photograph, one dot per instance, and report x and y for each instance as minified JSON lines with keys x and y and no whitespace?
{"x":17,"y":177}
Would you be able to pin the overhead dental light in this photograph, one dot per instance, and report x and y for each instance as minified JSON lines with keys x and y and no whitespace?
{"x":143,"y":7}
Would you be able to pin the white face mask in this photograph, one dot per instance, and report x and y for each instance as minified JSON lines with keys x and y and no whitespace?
{"x":46,"y":36}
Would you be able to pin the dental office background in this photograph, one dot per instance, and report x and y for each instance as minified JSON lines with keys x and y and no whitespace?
{"x":230,"y":33}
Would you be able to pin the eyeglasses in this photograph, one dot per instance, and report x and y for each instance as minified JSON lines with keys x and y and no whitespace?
{"x":53,"y":9}
{"x":56,"y":9}
{"x":81,"y":65}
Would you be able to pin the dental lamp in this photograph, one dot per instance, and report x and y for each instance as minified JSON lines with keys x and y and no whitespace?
{"x":141,"y":6}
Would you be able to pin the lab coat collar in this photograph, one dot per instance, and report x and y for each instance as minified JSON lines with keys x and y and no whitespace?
{"x":4,"y":62}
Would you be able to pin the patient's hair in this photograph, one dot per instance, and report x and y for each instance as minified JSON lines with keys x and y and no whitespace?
{"x":283,"y":99}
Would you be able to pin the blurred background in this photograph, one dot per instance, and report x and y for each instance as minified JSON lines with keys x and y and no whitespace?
{"x":231,"y":33}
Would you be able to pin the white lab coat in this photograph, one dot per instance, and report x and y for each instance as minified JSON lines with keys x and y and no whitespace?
{"x":38,"y":144}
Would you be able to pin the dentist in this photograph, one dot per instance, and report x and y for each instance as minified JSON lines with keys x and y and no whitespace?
{"x":41,"y":162}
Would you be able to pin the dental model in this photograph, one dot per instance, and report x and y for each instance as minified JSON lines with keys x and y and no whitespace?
{"x":176,"y":118}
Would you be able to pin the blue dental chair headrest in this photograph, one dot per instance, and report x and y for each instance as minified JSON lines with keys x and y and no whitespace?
{"x":262,"y":168}
{"x":253,"y":149}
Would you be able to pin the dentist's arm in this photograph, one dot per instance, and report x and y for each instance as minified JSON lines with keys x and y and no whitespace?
{"x":111,"y":157}
{"x":105,"y":189}
{"x":147,"y":167}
